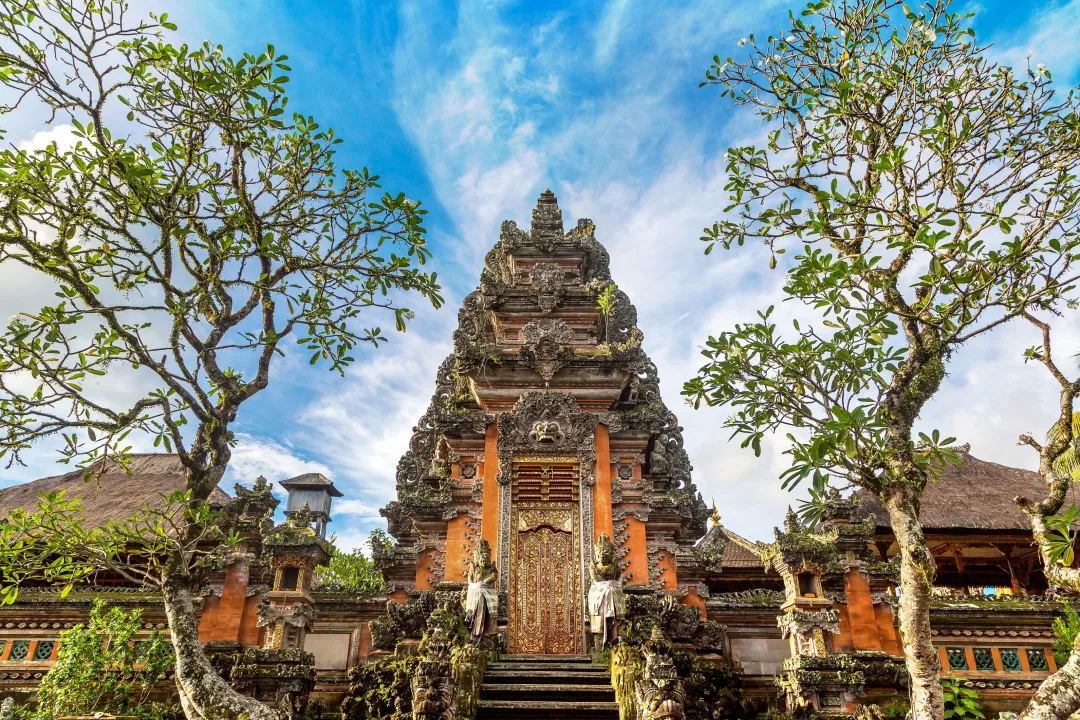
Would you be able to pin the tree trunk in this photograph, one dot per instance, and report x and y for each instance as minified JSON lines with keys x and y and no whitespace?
{"x":1059,"y":695}
{"x":917,"y":571}
{"x":204,"y":695}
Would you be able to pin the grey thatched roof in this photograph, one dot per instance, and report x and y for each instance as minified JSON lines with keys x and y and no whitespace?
{"x":978,"y":495}
{"x":113,"y":495}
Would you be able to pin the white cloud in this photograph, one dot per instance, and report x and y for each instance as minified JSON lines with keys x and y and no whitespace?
{"x":62,"y":135}
{"x":254,"y":456}
{"x":607,"y":31}
{"x":1050,"y":33}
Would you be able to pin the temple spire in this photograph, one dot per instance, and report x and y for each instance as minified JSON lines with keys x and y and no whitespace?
{"x":547,"y":224}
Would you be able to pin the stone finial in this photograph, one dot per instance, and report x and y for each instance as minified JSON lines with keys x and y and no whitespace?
{"x":547,"y":224}
{"x":791,"y":522}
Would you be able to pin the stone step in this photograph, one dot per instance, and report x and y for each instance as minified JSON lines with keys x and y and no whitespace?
{"x":495,"y":675}
{"x":547,"y":710}
{"x":549,"y":667}
{"x":525,"y":692}
{"x":546,"y":658}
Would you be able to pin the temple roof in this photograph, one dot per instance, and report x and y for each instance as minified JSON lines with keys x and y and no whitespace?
{"x":978,"y":495}
{"x":311,"y":480}
{"x":113,"y":495}
{"x":738,"y":551}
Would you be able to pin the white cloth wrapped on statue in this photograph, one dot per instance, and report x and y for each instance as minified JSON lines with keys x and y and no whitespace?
{"x":606,"y":605}
{"x":481,"y":608}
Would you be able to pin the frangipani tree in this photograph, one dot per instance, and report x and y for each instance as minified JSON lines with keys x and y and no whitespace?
{"x":194,"y":230}
{"x":1054,"y":525}
{"x":929,"y":196}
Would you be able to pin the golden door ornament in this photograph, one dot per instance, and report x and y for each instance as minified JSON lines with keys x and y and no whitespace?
{"x":545,"y":592}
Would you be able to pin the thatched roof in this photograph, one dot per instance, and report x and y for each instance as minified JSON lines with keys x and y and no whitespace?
{"x":113,"y":495}
{"x":978,"y":495}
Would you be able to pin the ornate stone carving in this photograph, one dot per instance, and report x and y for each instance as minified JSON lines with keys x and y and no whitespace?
{"x":607,"y":604}
{"x":547,"y":223}
{"x":546,"y":347}
{"x":434,"y":693}
{"x":660,"y":694}
{"x":808,"y":630}
{"x":547,"y":282}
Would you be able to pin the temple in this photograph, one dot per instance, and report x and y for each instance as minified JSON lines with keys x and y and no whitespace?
{"x":548,"y":439}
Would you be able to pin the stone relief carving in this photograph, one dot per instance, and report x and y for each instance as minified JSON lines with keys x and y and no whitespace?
{"x":547,"y":223}
{"x":547,"y":282}
{"x":546,"y":347}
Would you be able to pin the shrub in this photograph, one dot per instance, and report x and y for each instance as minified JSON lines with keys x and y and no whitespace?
{"x":103,"y":668}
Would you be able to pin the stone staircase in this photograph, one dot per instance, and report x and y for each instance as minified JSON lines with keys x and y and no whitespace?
{"x":532,"y":687}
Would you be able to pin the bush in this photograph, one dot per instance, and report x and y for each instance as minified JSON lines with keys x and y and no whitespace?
{"x":103,"y":668}
{"x":961,"y":702}
{"x":1066,"y":629}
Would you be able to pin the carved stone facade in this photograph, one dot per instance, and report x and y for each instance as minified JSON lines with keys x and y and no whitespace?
{"x":547,"y":368}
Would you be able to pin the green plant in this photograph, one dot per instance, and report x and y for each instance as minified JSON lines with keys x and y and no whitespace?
{"x":353,"y":571}
{"x":896,"y":709}
{"x":960,"y":702}
{"x":605,"y":300}
{"x":103,"y":667}
{"x":1066,"y":628}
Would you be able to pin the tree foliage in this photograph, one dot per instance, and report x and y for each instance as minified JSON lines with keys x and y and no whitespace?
{"x":1066,"y":629}
{"x":928,"y":195}
{"x":352,"y":571}
{"x":195,"y":229}
{"x":103,"y":667}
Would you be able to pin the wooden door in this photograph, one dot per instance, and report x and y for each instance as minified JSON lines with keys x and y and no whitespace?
{"x":545,"y":589}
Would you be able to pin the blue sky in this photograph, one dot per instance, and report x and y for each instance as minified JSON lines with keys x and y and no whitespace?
{"x":474,"y":108}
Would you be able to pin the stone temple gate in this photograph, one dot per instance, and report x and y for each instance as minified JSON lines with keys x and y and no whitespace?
{"x":546,"y":429}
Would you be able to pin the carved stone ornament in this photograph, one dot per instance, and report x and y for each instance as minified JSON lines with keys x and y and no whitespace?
{"x":547,"y":282}
{"x":468,"y":470}
{"x":800,"y":621}
{"x":547,"y":223}
{"x":434,"y":693}
{"x":546,"y":346}
{"x":660,"y":694}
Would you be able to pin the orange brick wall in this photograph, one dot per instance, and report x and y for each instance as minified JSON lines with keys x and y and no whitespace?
{"x":865,"y":634}
{"x":456,"y":550}
{"x":223,"y":617}
{"x":602,"y":522}
{"x":489,"y":517}
{"x":639,"y":561}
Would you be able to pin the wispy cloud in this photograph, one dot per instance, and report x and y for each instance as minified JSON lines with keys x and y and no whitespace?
{"x":608,"y":29}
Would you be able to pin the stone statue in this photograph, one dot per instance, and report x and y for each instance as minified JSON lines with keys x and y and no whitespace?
{"x":7,"y":709}
{"x":434,"y":694}
{"x":481,"y":597}
{"x":660,"y":694}
{"x":607,"y":604}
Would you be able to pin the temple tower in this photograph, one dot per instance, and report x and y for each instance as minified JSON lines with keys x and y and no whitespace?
{"x":546,"y":429}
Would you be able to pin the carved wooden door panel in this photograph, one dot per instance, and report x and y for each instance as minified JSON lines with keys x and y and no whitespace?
{"x":544,"y":611}
{"x":545,"y":593}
